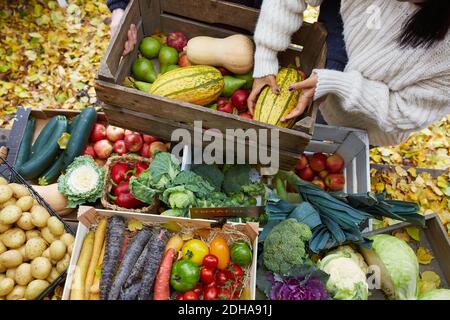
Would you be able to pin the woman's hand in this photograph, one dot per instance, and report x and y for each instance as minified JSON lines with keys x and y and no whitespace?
{"x":258,"y":85}
{"x":308,"y":88}
{"x":116,"y":17}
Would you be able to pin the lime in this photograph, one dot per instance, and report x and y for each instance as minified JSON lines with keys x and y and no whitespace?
{"x":241,"y":253}
{"x":150,"y":47}
{"x":143,"y":70}
{"x":167,"y":56}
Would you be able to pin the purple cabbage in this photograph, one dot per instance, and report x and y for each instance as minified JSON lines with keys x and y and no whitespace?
{"x":297,"y":288}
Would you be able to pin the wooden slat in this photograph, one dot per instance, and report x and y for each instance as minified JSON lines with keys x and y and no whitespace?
{"x":127,"y":61}
{"x":187,"y":113}
{"x":351,"y":146}
{"x":440,"y":242}
{"x":150,"y":12}
{"x":17,"y":132}
{"x":433,"y":172}
{"x":321,"y":146}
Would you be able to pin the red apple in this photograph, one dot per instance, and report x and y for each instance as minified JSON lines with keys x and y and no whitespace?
{"x":335,"y":181}
{"x":183,"y":60}
{"x":246,"y":115}
{"x":224,"y":105}
{"x":157,"y":146}
{"x":318,"y":162}
{"x":177,"y":40}
{"x":145,"y":151}
{"x":103,"y":148}
{"x":149,"y":139}
{"x":323,"y":174}
{"x":224,"y":71}
{"x":128,"y":132}
{"x":133,"y":142}
{"x":319,"y":182}
{"x":119,"y":147}
{"x":98,"y":132}
{"x":89,"y":151}
{"x":114,"y":133}
{"x":302,"y":163}
{"x":335,"y":163}
{"x":239,"y":99}
{"x":306,"y":174}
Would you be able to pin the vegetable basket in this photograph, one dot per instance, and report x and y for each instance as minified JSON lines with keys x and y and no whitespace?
{"x":106,"y":200}
{"x":11,"y":175}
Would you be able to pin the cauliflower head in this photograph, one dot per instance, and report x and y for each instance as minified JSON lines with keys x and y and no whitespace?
{"x":285,"y":246}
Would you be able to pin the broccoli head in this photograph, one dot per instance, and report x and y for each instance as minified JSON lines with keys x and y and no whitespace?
{"x":285,"y":246}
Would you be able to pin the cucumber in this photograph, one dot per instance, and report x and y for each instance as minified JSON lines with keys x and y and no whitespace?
{"x":44,"y":157}
{"x":79,"y":136}
{"x":43,"y":137}
{"x":52,"y":174}
{"x":25,"y":146}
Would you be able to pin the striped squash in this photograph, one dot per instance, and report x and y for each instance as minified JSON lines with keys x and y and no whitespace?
{"x":196,"y":84}
{"x":270,"y":108}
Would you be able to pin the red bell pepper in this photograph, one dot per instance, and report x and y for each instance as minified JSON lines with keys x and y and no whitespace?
{"x":119,"y":172}
{"x":140,"y":167}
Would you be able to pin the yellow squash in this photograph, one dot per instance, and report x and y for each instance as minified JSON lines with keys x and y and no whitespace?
{"x":270,"y":108}
{"x":196,"y":84}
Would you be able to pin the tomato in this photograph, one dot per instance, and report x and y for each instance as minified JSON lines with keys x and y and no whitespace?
{"x":207,"y":275}
{"x":212,"y":284}
{"x":221,"y":278}
{"x":236,"y":288}
{"x":234,"y":272}
{"x":184,"y":275}
{"x":210,"y":261}
{"x":180,"y":297}
{"x":210,"y":293}
{"x":198,"y":289}
{"x":195,"y":250}
{"x":241,"y":253}
{"x":224,"y":294}
{"x":190,"y":295}
{"x":220,"y":249}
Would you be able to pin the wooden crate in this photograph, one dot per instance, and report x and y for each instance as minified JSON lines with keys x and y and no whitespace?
{"x":144,"y":112}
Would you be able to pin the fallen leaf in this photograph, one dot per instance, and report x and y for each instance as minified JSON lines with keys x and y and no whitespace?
{"x":429,"y":280}
{"x":134,"y":225}
{"x":424,"y":256}
{"x":414,"y":233}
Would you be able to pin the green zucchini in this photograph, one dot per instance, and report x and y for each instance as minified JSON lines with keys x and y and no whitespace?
{"x":33,"y":168}
{"x":25,"y":146}
{"x":79,"y":136}
{"x":43,"y":137}
{"x":52,"y":174}
{"x":72,"y":124}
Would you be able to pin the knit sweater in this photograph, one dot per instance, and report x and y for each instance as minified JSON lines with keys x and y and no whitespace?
{"x":385,"y":89}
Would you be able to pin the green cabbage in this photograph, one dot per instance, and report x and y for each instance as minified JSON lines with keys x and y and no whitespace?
{"x":398,"y":266}
{"x":437,"y":294}
{"x":179,"y":197}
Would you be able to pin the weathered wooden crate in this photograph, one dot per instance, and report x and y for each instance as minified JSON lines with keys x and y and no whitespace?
{"x":144,"y":112}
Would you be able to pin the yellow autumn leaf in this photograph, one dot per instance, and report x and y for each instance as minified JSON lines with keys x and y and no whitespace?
{"x":403,"y":236}
{"x":414,"y":233}
{"x":424,"y":255}
{"x":134,"y":225}
{"x":429,"y":280}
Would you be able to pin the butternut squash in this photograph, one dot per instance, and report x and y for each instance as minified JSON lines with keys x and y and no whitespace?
{"x":234,"y":53}
{"x":54,"y":198}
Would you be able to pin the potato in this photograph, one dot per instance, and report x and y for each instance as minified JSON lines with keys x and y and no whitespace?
{"x":70,"y":248}
{"x":41,"y":268}
{"x":47,"y":235}
{"x":2,"y":276}
{"x":63,"y":264}
{"x":55,"y":226}
{"x":23,"y":274}
{"x":2,"y":247}
{"x":4,"y":227}
{"x":25,"y":222}
{"x":23,"y":252}
{"x":35,"y":247}
{"x":6,"y":286}
{"x":39,"y":216}
{"x":33,"y":234}
{"x":10,"y":214}
{"x":3,"y":181}
{"x":57,"y":250}
{"x":11,"y":273}
{"x":46,"y":253}
{"x":35,"y":288}
{"x":25,"y":203}
{"x":53,"y":275}
{"x":17,"y":293}
{"x":2,"y":269}
{"x":6,"y":192}
{"x":11,"y":201}
{"x":13,"y":238}
{"x":11,"y":259}
{"x":19,"y":190}
{"x":67,"y":238}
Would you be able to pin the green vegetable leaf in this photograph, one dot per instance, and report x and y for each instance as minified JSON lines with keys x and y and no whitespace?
{"x":211,"y":173}
{"x":236,"y":177}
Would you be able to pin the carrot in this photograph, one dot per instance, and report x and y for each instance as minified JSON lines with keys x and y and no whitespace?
{"x":162,"y":288}
{"x":79,"y":277}
{"x":95,"y":288}
{"x":99,"y":238}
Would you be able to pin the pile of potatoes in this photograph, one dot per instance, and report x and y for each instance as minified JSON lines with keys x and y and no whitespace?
{"x":34,"y":247}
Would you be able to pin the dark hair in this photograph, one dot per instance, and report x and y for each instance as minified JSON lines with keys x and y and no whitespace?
{"x":429,"y":25}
